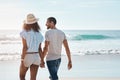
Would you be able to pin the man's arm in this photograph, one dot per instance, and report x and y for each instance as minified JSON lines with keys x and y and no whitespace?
{"x":68,"y":53}
{"x":45,"y":50}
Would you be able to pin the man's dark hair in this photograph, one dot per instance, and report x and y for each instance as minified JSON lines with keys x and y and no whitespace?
{"x":52,"y":19}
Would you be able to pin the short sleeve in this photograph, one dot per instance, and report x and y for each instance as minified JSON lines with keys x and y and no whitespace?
{"x":23,"y":34}
{"x":47,"y":36}
{"x":64,"y":36}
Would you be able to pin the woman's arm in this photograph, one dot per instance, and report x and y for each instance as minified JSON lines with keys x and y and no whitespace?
{"x":40,"y":51}
{"x":24,"y":50}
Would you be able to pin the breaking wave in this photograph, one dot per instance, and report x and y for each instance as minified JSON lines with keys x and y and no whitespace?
{"x":89,"y":37}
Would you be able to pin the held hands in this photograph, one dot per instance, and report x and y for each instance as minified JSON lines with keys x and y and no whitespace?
{"x":69,"y":65}
{"x":42,"y":64}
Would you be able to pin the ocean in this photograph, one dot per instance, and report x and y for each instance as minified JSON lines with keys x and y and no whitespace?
{"x":81,"y":42}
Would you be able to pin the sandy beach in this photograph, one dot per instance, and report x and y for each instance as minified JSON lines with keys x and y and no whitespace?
{"x":86,"y":79}
{"x":89,"y":79}
{"x":86,"y":67}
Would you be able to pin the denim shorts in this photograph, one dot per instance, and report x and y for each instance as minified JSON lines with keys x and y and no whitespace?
{"x":53,"y":66}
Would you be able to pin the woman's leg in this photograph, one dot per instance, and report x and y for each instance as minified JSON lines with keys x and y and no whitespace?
{"x":33,"y":71}
{"x":23,"y":71}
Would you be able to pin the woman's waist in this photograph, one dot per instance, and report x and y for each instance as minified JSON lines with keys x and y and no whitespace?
{"x":32,"y":52}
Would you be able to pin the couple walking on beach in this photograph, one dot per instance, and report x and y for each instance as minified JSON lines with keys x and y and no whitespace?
{"x":32,"y":54}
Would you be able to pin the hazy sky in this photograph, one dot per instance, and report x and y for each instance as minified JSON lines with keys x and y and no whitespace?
{"x":70,"y":14}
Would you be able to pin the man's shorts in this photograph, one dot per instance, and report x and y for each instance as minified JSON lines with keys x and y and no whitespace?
{"x":31,"y":59}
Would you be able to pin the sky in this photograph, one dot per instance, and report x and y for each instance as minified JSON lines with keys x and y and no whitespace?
{"x":70,"y":14}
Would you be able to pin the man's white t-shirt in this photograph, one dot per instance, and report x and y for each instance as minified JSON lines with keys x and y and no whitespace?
{"x":33,"y":40}
{"x":56,"y":38}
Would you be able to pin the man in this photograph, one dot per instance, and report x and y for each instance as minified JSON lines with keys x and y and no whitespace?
{"x":54,"y":38}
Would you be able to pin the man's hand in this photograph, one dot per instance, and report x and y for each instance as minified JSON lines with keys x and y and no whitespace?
{"x":69,"y":65}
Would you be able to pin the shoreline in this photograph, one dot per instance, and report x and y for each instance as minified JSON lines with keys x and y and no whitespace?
{"x":85,"y":67}
{"x":16,"y":56}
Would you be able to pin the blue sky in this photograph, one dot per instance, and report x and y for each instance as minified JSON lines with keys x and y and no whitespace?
{"x":70,"y":14}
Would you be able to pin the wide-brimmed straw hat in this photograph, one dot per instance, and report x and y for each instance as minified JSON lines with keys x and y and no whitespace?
{"x":31,"y":19}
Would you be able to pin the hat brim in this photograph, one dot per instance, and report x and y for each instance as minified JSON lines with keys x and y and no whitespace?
{"x":36,"y":20}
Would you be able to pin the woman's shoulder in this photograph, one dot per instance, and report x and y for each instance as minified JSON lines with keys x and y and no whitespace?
{"x":39,"y":36}
{"x":23,"y":32}
{"x":39,"y":33}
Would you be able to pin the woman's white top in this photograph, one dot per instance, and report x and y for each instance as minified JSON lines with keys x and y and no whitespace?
{"x":33,"y":40}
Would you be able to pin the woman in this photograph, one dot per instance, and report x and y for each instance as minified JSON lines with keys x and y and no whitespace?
{"x":31,"y":52}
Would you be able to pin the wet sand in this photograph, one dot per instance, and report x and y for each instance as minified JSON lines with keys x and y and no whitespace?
{"x":86,"y":67}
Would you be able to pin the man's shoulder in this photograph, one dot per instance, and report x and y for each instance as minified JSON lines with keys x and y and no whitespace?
{"x":57,"y":30}
{"x":61,"y":32}
{"x":48,"y":31}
